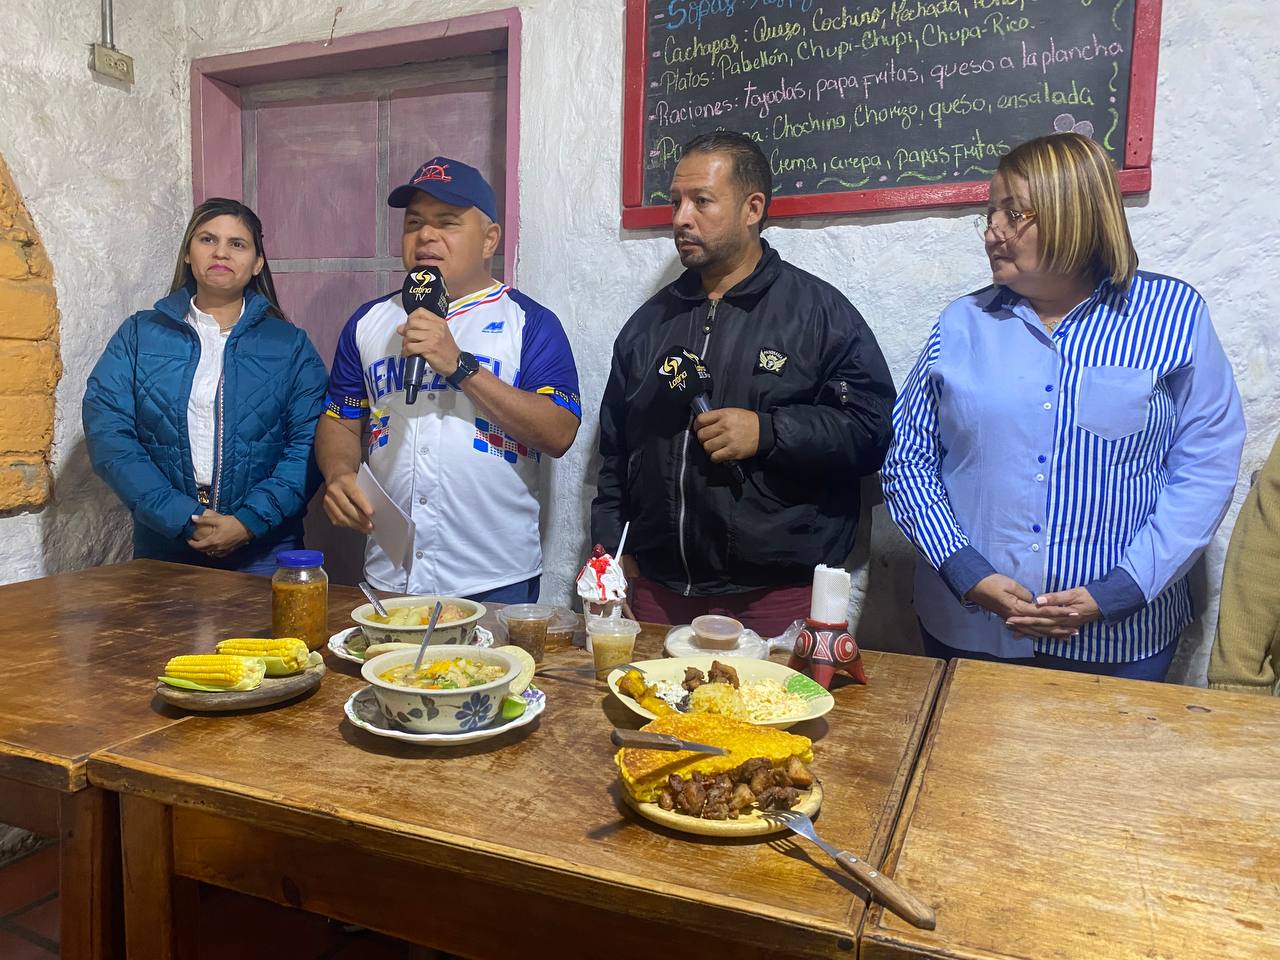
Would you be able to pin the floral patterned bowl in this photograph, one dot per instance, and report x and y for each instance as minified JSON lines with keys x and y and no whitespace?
{"x":440,"y":711}
{"x":454,"y":631}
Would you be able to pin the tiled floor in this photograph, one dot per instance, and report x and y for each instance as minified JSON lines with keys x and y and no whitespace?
{"x":230,"y":925}
{"x":29,"y":907}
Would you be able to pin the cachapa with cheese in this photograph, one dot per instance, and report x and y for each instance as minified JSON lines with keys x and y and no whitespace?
{"x":644,"y":772}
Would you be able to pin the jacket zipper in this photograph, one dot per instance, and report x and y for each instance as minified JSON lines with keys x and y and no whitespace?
{"x":684,"y":453}
{"x":217,"y":450}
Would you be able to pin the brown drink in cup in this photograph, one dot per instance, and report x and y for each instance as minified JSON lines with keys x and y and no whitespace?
{"x":562,"y":629}
{"x":526,"y":625}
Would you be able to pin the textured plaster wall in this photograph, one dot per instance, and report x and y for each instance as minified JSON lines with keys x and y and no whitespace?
{"x":105,"y":174}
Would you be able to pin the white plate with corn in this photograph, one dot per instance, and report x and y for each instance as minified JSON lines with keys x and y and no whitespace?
{"x":243,"y":673}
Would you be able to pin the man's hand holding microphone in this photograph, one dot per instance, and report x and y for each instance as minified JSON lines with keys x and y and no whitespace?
{"x":427,"y":341}
{"x":728,"y":434}
{"x":427,"y":338}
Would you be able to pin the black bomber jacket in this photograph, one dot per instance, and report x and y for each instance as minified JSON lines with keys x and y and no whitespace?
{"x":785,"y":344}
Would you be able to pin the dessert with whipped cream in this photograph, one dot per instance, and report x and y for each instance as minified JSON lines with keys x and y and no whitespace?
{"x":601,"y":584}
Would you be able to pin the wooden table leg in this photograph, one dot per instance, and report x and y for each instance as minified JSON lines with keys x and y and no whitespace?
{"x":89,"y":875}
{"x":159,"y":918}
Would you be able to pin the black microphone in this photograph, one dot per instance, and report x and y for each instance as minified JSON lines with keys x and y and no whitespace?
{"x":423,"y":287}
{"x":687,"y":378}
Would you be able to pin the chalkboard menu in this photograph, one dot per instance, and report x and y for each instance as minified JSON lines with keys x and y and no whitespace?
{"x":880,"y":105}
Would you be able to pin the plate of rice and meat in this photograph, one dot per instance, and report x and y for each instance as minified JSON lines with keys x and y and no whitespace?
{"x":757,"y":691}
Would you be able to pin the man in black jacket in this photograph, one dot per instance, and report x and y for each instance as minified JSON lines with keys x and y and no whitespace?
{"x":802,"y":400}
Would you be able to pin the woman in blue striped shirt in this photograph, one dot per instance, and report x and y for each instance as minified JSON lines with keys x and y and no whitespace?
{"x":1069,"y":439}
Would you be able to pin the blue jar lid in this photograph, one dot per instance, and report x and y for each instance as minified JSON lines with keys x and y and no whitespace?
{"x":300,"y":558}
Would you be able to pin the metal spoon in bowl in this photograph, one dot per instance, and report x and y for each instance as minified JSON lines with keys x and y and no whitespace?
{"x":372,"y":597}
{"x":431,"y":628}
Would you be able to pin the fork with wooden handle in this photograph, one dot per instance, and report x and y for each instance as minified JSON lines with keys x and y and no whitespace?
{"x":889,"y":893}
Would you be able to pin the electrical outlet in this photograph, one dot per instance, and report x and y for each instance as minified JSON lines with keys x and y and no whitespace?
{"x":111,"y":63}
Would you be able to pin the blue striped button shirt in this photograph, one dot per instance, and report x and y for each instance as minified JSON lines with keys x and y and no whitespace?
{"x":1101,"y":455}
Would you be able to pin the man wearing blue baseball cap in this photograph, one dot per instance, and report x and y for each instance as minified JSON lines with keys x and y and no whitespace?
{"x":462,"y":461}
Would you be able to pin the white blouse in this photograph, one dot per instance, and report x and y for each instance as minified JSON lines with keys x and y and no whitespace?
{"x":202,"y":412}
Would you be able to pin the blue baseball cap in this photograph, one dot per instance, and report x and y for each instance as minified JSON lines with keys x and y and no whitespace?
{"x":451,"y":181}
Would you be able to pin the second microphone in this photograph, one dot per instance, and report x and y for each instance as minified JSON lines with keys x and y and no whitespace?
{"x":687,"y":377}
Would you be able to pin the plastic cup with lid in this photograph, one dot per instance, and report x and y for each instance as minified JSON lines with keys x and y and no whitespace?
{"x":526,"y":625}
{"x":612,"y":644}
{"x":716,"y":632}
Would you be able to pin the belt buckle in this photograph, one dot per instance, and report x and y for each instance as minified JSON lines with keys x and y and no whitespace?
{"x":202,"y":494}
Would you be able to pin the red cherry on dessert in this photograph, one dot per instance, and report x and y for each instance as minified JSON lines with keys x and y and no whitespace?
{"x":597,"y":552}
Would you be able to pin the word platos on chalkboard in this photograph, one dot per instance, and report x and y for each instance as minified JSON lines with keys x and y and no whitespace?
{"x":882,"y":105}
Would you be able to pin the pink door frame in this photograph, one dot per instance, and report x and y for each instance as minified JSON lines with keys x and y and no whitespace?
{"x":216,"y":168}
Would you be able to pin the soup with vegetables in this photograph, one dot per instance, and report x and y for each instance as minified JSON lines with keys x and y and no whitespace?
{"x":421,"y":616}
{"x":444,"y":674}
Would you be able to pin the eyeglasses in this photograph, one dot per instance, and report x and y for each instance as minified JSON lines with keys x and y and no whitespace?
{"x":1007,"y":224}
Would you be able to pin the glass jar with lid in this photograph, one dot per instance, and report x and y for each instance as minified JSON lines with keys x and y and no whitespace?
{"x":300,"y":598}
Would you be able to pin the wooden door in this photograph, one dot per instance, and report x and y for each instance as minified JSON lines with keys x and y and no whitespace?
{"x":319,"y":158}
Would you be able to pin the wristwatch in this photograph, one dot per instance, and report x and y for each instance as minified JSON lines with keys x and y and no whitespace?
{"x":467,"y":365}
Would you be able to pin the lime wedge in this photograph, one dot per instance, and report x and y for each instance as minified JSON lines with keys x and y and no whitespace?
{"x":522,"y":679}
{"x":513,"y":707}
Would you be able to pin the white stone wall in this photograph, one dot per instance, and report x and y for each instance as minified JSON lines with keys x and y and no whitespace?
{"x":111,"y":214}
{"x":106,"y":175}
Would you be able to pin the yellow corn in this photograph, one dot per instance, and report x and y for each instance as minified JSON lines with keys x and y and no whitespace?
{"x":217,"y":670}
{"x":291,"y":650}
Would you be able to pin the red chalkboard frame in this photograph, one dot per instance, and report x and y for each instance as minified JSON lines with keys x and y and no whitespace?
{"x":1135,"y":175}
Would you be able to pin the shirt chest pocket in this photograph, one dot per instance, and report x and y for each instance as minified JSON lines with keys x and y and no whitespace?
{"x":1114,"y":402}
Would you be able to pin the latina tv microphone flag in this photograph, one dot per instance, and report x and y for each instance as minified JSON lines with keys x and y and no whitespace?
{"x":423,"y":288}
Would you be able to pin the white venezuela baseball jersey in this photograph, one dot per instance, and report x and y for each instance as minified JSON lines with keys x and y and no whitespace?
{"x":471,"y":490}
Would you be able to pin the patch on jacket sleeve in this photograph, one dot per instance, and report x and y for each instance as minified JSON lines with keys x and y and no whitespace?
{"x":771,"y":361}
{"x":379,"y":429}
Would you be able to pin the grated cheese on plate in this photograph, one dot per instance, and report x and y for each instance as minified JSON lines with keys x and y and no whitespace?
{"x":767,"y":700}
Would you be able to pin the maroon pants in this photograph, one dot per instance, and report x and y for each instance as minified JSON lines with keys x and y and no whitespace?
{"x":768,"y":611}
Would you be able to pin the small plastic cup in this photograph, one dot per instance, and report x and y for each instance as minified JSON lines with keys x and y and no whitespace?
{"x":716,"y":632}
{"x":613,"y":643}
{"x":600,"y":611}
{"x":526,"y":625}
{"x":562,"y":629}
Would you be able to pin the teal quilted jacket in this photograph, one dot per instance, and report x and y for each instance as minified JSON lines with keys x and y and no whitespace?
{"x":135,"y":425}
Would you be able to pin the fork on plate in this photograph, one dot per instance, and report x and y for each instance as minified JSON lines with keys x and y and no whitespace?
{"x":885,"y":889}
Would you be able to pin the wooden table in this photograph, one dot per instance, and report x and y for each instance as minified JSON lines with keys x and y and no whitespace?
{"x":519,"y":844}
{"x":81,"y":653}
{"x":1060,"y":816}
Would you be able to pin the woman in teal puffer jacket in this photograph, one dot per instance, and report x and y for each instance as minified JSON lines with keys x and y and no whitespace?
{"x":201,"y":412}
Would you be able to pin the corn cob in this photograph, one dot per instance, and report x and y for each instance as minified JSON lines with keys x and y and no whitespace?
{"x":217,"y":670}
{"x":284,"y":655}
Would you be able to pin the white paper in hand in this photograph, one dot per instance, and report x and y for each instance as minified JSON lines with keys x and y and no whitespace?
{"x":392,"y":528}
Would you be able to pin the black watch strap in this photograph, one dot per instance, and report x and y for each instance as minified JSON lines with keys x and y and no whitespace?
{"x":467,"y":365}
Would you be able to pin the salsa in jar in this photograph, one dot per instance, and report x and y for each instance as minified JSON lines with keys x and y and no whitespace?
{"x":300,"y":598}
